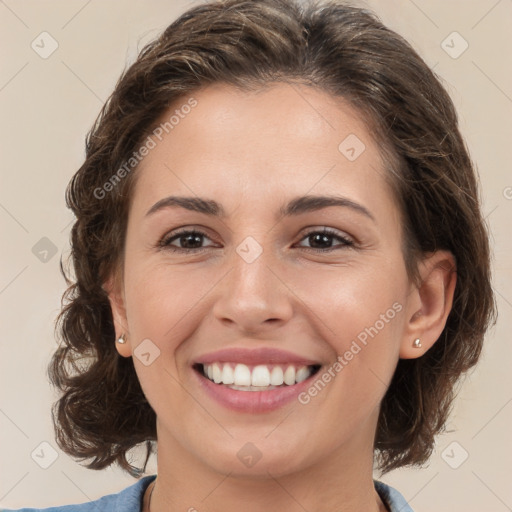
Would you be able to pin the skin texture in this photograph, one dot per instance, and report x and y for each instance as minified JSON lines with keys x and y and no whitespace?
{"x":253,"y":152}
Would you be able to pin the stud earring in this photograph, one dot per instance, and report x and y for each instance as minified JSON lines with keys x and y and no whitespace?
{"x":416,"y":343}
{"x":121,"y":339}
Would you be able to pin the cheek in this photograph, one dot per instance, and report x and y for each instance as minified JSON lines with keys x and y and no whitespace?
{"x":359,"y":313}
{"x":160,"y":304}
{"x":343,"y":303}
{"x":353,"y":309}
{"x":367,"y":309}
{"x":159,"y":297}
{"x":356,"y":301}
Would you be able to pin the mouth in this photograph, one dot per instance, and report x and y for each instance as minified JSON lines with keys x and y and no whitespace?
{"x":256,"y":378}
{"x":253,"y":380}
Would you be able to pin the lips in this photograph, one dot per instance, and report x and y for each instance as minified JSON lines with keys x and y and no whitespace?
{"x":255,"y":357}
{"x":274,"y":376}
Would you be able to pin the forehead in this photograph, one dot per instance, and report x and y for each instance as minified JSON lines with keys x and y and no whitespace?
{"x":286,"y":139}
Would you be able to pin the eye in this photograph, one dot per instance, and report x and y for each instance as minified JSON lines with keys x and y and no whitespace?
{"x":324,"y":239}
{"x":189,"y":240}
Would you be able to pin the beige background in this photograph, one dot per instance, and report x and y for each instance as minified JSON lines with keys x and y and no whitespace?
{"x":48,"y":105}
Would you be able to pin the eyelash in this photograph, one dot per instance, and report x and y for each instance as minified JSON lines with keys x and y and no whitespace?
{"x":165,"y":242}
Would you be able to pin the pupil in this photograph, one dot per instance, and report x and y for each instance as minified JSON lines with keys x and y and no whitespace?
{"x":189,"y":240}
{"x":320,"y":237}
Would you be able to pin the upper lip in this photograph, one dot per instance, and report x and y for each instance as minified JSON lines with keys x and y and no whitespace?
{"x":254,"y":357}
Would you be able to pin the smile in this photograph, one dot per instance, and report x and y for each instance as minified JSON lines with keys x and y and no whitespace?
{"x":274,"y":377}
{"x":260,"y":377}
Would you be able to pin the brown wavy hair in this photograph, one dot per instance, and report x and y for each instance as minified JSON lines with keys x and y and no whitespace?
{"x":346,"y":51}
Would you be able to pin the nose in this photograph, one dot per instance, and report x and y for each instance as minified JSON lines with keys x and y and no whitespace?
{"x":253,"y":297}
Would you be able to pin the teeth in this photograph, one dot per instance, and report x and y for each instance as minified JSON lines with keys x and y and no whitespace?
{"x":260,"y":376}
{"x":276,"y":377}
{"x":256,"y":378}
{"x":289,"y":376}
{"x":228,"y":376}
{"x":217,"y":373}
{"x":252,"y":388}
{"x":302,"y":374}
{"x":242,"y":375}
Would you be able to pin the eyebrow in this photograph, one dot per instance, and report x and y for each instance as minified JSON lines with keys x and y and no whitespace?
{"x":296,"y":206}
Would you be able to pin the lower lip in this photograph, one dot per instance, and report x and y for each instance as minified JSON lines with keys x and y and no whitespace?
{"x":252,"y":401}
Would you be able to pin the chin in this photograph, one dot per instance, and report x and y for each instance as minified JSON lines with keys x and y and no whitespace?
{"x":256,"y":459}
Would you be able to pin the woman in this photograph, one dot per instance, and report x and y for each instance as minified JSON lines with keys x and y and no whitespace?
{"x":281,"y":265}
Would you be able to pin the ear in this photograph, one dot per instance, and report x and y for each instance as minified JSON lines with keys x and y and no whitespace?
{"x":113,"y":287}
{"x":429,"y":303}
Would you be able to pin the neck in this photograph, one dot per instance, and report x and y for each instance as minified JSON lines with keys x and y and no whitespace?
{"x":341,"y":481}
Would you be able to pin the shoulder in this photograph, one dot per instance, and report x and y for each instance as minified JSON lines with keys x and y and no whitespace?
{"x":392,"y":498}
{"x":128,"y":500}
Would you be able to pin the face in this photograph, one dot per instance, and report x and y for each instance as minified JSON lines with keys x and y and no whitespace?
{"x":295,"y":307}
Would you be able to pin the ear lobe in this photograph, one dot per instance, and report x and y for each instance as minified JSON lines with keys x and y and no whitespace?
{"x":430,"y":304}
{"x":115,"y":295}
